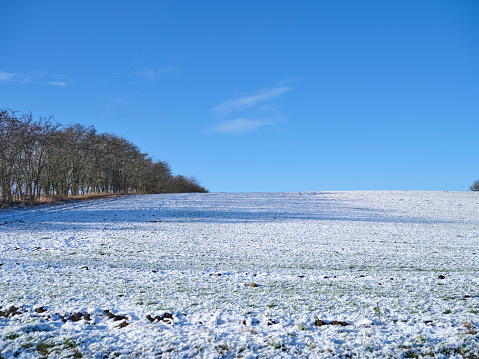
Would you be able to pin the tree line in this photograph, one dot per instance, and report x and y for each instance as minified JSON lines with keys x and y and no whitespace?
{"x":40,"y":158}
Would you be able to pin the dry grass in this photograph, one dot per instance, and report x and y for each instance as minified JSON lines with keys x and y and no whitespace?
{"x":61,"y":199}
{"x":471,"y":328}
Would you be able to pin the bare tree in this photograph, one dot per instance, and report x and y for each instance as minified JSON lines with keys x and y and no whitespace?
{"x":42,"y":158}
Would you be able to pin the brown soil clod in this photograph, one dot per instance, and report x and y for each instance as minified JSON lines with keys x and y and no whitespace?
{"x":123,"y":324}
{"x":441,"y":277}
{"x":76,"y":317}
{"x":166,"y":317}
{"x":115,"y":318}
{"x":40,"y":310}
{"x":320,"y":323}
{"x":338,"y":322}
{"x":10,"y":312}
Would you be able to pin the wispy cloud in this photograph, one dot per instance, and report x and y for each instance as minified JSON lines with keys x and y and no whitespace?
{"x":54,"y":83}
{"x":154,"y":73}
{"x":243,"y":103}
{"x":45,"y":77}
{"x":12,"y":77}
{"x":248,"y":113}
{"x":240,"y":125}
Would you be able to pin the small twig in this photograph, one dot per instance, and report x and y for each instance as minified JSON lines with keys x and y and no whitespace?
{"x":379,"y":313}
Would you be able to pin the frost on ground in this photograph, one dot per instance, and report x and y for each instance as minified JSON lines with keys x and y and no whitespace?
{"x":259,"y":275}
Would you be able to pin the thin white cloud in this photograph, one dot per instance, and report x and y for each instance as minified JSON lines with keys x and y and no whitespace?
{"x":155,"y":72}
{"x":6,"y":76}
{"x":244,"y":103}
{"x":12,"y":77}
{"x":60,"y":84}
{"x":35,"y":77}
{"x":240,"y":126}
{"x":246,"y":114}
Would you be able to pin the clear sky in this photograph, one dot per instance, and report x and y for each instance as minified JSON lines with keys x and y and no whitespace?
{"x":256,"y":95}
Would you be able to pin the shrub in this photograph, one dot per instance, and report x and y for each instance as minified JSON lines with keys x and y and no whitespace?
{"x":475,"y":186}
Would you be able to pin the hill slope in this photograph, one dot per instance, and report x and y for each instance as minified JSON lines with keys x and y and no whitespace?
{"x":172,"y":275}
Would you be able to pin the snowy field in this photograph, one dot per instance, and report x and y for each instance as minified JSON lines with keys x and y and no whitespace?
{"x":257,"y":275}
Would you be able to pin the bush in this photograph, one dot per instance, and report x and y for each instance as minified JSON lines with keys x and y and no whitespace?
{"x":475,"y":186}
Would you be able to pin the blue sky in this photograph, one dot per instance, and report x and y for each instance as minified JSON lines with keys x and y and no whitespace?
{"x":261,"y":95}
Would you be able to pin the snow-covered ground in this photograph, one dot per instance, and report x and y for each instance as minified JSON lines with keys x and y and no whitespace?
{"x":267,"y":275}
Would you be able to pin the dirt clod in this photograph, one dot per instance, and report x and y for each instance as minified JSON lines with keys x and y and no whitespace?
{"x":337,"y":322}
{"x":271,"y":322}
{"x":115,"y":318}
{"x":320,"y":323}
{"x":166,"y":317}
{"x":76,"y":317}
{"x":441,"y":277}
{"x":10,"y":312}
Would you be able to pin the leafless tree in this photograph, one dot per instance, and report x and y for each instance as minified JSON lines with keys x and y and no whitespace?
{"x":42,"y":158}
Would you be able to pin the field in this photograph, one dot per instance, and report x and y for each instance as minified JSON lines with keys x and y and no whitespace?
{"x":254,"y":275}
